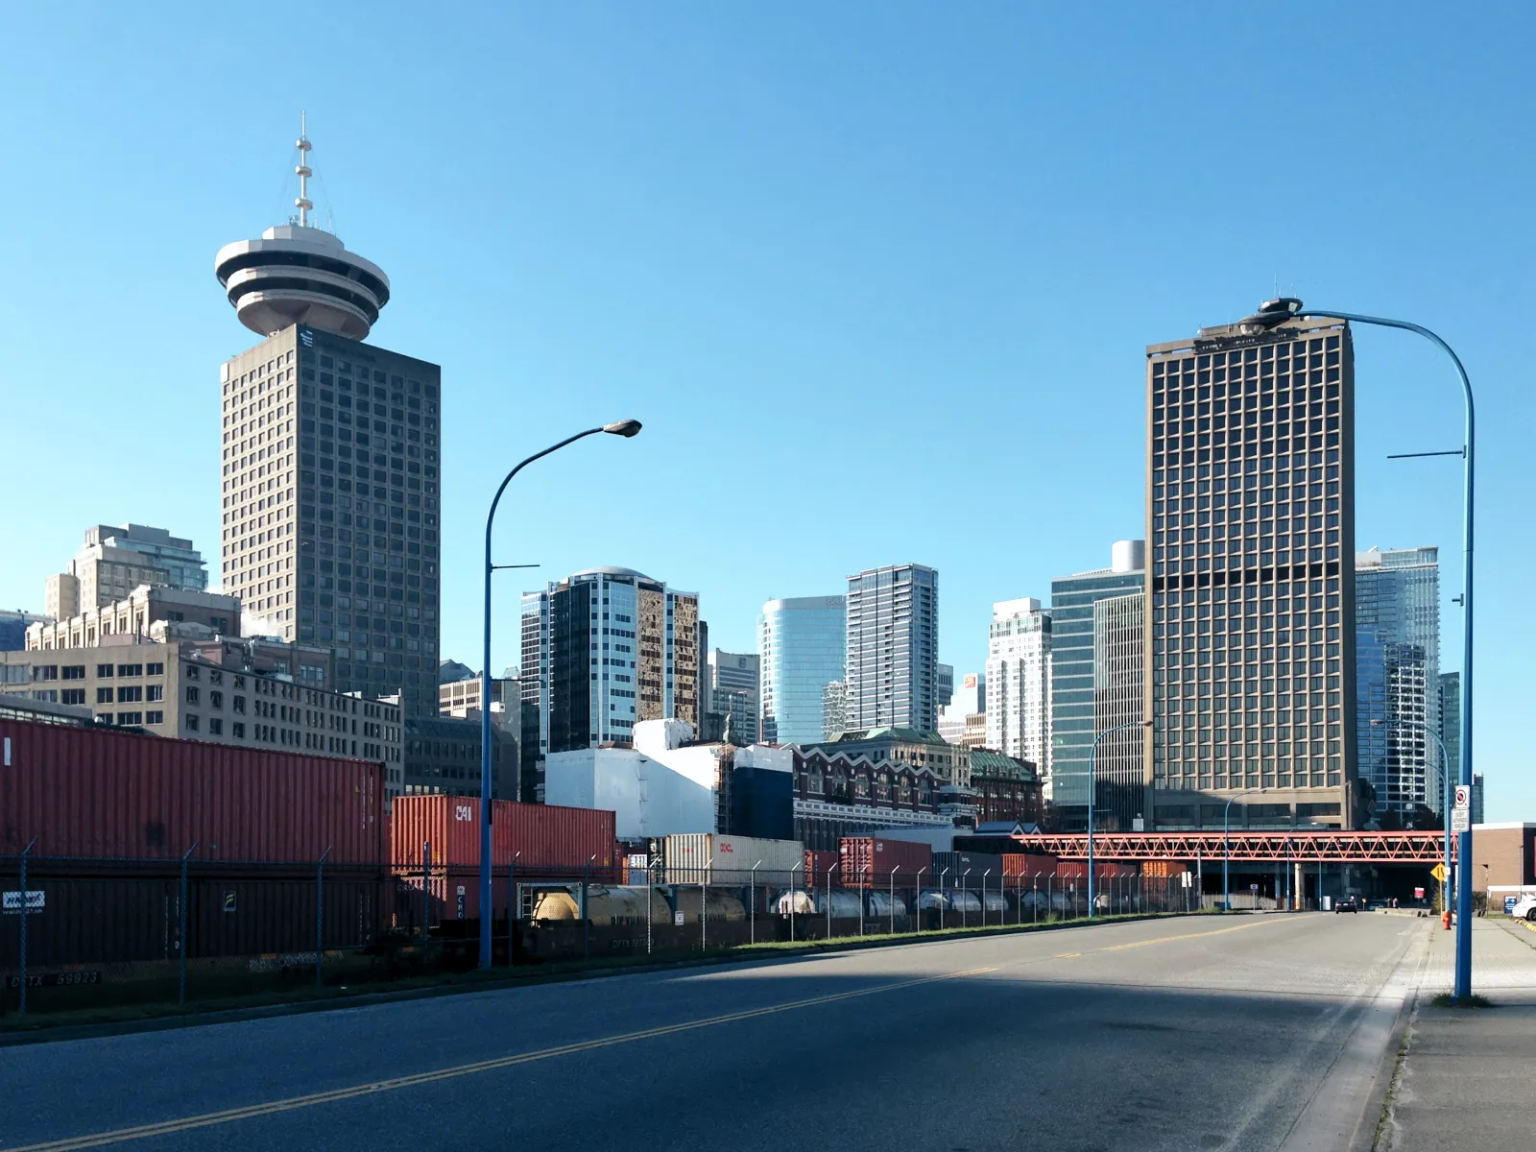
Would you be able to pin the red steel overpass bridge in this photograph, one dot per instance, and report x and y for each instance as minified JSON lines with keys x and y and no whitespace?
{"x":1272,"y":847}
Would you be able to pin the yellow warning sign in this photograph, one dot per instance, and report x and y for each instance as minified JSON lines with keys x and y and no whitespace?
{"x":1438,"y":872}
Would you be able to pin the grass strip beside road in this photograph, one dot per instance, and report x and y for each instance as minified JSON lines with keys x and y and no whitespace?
{"x":36,"y":1025}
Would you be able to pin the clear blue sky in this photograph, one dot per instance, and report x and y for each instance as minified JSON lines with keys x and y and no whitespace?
{"x":877,"y":279}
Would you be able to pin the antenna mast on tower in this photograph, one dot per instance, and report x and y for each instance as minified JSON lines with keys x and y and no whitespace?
{"x":304,"y":171}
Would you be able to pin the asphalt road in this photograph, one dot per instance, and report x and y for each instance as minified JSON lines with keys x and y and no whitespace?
{"x":1244,"y":1033}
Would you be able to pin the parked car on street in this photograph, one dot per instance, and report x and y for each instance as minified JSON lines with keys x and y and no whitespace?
{"x":1524,"y":909}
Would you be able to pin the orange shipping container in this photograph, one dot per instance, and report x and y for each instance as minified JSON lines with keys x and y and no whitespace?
{"x":1163,"y":869}
{"x":1028,"y":864}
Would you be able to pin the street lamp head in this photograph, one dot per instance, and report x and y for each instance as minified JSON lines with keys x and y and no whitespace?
{"x":1146,"y":723}
{"x":625,"y":428}
{"x":1271,"y":314}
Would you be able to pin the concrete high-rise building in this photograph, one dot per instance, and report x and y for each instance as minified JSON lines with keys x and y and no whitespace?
{"x":731,"y":685}
{"x":802,"y":641}
{"x":331,"y":463}
{"x":13,"y":628}
{"x":969,"y":700}
{"x":946,"y":685}
{"x":605,"y":649}
{"x":1250,"y":625}
{"x":1397,"y":607}
{"x":115,"y":561}
{"x":893,"y":643}
{"x":1073,"y":696}
{"x":1019,"y":682}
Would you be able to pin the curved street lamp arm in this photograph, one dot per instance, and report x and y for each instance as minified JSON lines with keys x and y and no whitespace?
{"x":495,"y":500}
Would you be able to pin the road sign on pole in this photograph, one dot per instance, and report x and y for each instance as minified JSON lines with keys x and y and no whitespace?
{"x":1463,"y":796}
{"x":1461,"y":820}
{"x":1438,"y":872}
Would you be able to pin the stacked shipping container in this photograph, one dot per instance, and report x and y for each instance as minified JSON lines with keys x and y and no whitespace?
{"x":866,"y":859}
{"x":96,"y":792}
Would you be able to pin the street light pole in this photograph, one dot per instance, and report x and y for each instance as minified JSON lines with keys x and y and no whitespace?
{"x":1093,"y":780}
{"x":1276,"y":312}
{"x":1226,"y":848}
{"x":624,"y":428}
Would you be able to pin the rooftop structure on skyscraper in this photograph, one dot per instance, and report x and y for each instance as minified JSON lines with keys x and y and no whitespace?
{"x":299,"y":274}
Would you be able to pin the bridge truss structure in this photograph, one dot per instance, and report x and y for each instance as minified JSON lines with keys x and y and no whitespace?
{"x":1273,"y":847}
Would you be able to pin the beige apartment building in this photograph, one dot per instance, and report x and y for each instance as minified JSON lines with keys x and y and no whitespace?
{"x":135,"y":615}
{"x":216,"y":689}
{"x":117,"y":559}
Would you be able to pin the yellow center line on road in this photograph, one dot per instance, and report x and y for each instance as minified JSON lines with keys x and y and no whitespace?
{"x":293,"y":1103}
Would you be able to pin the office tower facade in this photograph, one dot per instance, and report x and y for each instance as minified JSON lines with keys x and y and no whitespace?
{"x":13,"y":628}
{"x":1119,"y":668}
{"x":893,"y":643}
{"x":1450,"y":721}
{"x":331,"y":463}
{"x":115,"y":561}
{"x":969,"y":700}
{"x":1476,"y":814}
{"x":801,"y":648}
{"x":1250,"y":643}
{"x":946,"y":685}
{"x":1019,"y":682}
{"x":605,"y":649}
{"x":1397,"y":617}
{"x":1073,"y":695}
{"x":731,"y":683}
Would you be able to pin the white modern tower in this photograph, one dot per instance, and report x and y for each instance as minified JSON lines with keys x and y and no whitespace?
{"x":1019,"y":682}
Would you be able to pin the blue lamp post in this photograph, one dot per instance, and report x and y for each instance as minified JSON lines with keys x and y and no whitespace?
{"x":624,"y":428}
{"x":1275,"y":312}
{"x":1093,"y":779}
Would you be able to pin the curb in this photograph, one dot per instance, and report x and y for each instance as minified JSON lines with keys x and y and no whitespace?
{"x":1389,"y":1071}
{"x":195,"y":1019}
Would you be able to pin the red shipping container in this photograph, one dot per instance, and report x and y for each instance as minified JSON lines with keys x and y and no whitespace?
{"x":97,"y":792}
{"x":868,"y":858}
{"x":1028,"y":864}
{"x":1164,"y":869}
{"x":548,"y":840}
{"x":817,"y":865}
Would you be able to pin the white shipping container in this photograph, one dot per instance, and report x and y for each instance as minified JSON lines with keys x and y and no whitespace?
{"x":708,"y":857}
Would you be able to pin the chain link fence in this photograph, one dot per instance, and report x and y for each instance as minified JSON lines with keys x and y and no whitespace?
{"x":79,"y":933}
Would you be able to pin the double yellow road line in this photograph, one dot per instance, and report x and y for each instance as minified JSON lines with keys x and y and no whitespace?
{"x":294,"y":1103}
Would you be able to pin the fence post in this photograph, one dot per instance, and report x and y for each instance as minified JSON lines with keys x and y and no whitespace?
{"x":753,"y":902}
{"x":512,"y":902}
{"x":22,"y":912}
{"x":426,"y":888}
{"x":181,"y":974}
{"x":917,"y":901}
{"x":704,"y":914}
{"x":793,"y":897}
{"x":893,"y":901}
{"x":650,"y":895}
{"x":320,"y":918}
{"x":586,"y":921}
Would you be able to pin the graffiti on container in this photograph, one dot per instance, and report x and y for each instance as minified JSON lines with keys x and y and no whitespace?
{"x":54,"y":979}
{"x":276,"y":962}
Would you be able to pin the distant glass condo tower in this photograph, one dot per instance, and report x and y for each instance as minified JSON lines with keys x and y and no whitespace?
{"x":331,"y":460}
{"x":801,"y":642}
{"x":1073,"y":672}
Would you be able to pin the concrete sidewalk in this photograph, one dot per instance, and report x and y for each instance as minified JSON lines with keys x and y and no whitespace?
{"x":1466,"y":1077}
